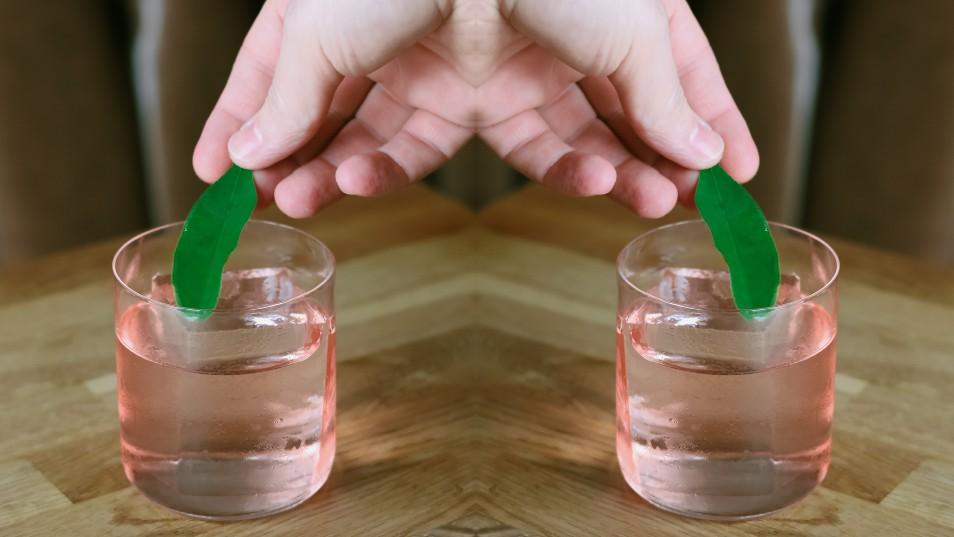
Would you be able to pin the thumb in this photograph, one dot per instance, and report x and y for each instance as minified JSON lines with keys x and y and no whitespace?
{"x":322,"y":41}
{"x":651,"y":94}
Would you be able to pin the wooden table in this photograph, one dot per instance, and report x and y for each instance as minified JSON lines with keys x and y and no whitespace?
{"x":476,"y":387}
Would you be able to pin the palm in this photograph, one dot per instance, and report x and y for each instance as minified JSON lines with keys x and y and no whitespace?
{"x":529,"y":107}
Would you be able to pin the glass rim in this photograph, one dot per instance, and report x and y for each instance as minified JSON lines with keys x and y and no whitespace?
{"x":798,"y":231}
{"x":298,"y":296}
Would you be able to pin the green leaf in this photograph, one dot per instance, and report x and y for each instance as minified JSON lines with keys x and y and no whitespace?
{"x":742,"y":236}
{"x":209,"y":235}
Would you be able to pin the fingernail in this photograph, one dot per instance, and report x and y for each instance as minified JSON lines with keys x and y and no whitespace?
{"x":245,"y":142}
{"x":706,"y":142}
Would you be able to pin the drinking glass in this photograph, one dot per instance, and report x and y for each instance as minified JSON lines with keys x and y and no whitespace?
{"x":227,"y":415}
{"x":723,"y":414}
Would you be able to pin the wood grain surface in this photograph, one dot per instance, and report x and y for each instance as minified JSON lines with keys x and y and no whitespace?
{"x":476,"y":387}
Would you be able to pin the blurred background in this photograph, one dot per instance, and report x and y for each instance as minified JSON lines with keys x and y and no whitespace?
{"x":851,"y":103}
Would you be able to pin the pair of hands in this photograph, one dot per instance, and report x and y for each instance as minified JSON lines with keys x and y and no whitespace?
{"x":588,"y":97}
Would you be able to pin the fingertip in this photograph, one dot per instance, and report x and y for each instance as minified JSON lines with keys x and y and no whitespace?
{"x":659,"y":199}
{"x":245,"y":147}
{"x":295,"y":198}
{"x":707,"y":146}
{"x":369,"y":174}
{"x":741,"y":158}
{"x":743,"y":165}
{"x":644,"y":190}
{"x":211,"y":159}
{"x":265,"y":140}
{"x":598,"y":174}
{"x":581,"y":174}
{"x":354,"y":176}
{"x":208,"y":163}
{"x":307,"y":189}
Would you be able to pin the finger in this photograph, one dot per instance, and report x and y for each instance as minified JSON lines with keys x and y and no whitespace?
{"x":632,"y":46}
{"x":309,"y":188}
{"x":349,"y":97}
{"x":638,"y":186}
{"x":268,"y":179}
{"x":602,"y":96}
{"x":311,"y":185}
{"x":297,"y":100}
{"x":644,"y":190}
{"x":604,"y":99}
{"x":345,"y":103}
{"x":244,"y":92}
{"x":655,"y":104}
{"x":706,"y":89}
{"x":528,"y":144}
{"x":423,"y":143}
{"x":571,"y":117}
{"x":319,"y":45}
{"x":380,"y":127}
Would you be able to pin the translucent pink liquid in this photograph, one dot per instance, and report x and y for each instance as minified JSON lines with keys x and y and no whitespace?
{"x":229,"y":438}
{"x":720,"y":438}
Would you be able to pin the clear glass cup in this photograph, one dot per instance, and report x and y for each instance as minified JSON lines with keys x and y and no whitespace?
{"x":722,"y":415}
{"x":230,"y":416}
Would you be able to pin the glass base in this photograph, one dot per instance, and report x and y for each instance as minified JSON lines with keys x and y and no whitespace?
{"x":227,"y":508}
{"x":235,"y":517}
{"x":716,"y":516}
{"x":721,"y":518}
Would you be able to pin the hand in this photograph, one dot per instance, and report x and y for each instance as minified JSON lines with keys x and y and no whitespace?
{"x":628,"y":100}
{"x":438,"y":72}
{"x":299,"y":109}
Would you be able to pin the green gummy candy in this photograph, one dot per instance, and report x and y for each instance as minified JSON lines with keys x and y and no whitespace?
{"x":210,"y":234}
{"x":741,"y":234}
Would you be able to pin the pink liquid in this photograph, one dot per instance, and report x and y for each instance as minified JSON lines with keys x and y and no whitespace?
{"x":232,"y":435}
{"x":716,"y":437}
